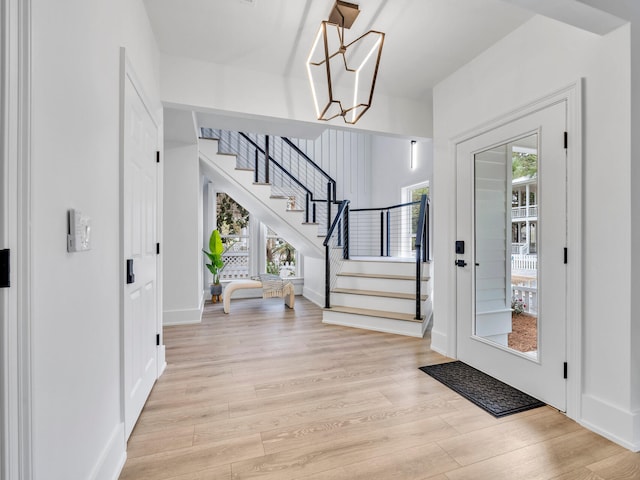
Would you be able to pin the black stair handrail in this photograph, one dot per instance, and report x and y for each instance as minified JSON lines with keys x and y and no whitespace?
{"x":331,"y":183}
{"x":341,"y":225}
{"x":309,"y":193}
{"x":313,"y":164}
{"x":422,"y":249}
{"x":385,"y":220}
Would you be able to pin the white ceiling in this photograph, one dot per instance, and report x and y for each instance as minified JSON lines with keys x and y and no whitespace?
{"x":426,"y":40}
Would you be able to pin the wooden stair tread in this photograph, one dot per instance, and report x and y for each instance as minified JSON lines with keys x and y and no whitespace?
{"x":381,"y":275}
{"x":244,"y":169}
{"x":404,"y":296}
{"x":407,"y":317}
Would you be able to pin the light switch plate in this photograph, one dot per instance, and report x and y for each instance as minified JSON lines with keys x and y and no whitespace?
{"x":78,"y":231}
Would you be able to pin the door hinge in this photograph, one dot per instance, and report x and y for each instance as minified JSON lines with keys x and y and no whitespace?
{"x":158,"y":340}
{"x":565,"y":370}
{"x":157,"y":156}
{"x":5,"y":268}
{"x":566,"y":139}
{"x":565,"y":255}
{"x":157,"y":249}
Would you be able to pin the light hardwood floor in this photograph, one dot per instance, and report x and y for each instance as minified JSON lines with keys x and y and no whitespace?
{"x":271,"y":393}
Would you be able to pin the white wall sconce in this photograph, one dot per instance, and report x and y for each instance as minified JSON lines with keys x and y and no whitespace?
{"x":412,"y":157}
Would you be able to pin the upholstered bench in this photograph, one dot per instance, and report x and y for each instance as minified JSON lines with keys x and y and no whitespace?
{"x":287,"y":291}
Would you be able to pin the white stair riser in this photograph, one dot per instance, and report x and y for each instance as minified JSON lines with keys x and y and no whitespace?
{"x":383,"y":267}
{"x":411,"y":329}
{"x":379,"y":284}
{"x":398,"y":305}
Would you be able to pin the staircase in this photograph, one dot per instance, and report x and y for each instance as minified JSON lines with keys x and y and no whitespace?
{"x":259,"y":199}
{"x":380,"y":295}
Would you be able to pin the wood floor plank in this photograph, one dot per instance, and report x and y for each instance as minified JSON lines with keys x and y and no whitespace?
{"x":222,"y":472}
{"x":542,"y":461}
{"x":342,"y":450}
{"x":624,"y":466}
{"x":270,"y":393}
{"x":165,"y":465}
{"x":311,"y":433}
{"x":579,"y":474}
{"x":335,"y":392}
{"x":165,"y":440}
{"x":289,"y":416}
{"x":417,"y":463}
{"x":509,"y":436}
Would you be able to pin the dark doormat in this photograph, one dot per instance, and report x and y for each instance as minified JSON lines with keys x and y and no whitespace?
{"x":497,"y":398}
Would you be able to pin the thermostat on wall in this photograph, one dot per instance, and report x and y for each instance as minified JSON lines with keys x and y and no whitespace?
{"x":78,"y":231}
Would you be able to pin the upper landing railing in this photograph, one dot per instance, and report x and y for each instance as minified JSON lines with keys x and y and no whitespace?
{"x":291,"y":173}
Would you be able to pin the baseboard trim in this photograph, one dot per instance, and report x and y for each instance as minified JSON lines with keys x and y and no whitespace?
{"x":439,"y":342}
{"x":112,"y":459}
{"x":619,"y":426}
{"x":313,"y":296}
{"x":182,"y":317}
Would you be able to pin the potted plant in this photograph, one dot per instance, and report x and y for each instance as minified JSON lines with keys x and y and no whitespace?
{"x":217,"y":265}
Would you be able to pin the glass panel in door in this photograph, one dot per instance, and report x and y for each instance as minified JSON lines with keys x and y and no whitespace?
{"x":506,"y":267}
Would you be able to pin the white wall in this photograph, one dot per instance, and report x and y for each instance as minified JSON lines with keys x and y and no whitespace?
{"x":391,"y":168}
{"x":183,"y":234}
{"x":537,"y":59}
{"x":346,"y":156}
{"x":77,"y":420}
{"x":211,"y":87}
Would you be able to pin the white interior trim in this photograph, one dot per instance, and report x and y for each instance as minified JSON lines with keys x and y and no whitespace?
{"x":15,"y":387}
{"x":572,"y":94}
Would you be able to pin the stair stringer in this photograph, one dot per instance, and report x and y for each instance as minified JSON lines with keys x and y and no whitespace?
{"x":256,"y":198}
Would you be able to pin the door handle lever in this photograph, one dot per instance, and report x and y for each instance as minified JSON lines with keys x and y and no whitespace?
{"x":131,"y":278}
{"x":460,"y":263}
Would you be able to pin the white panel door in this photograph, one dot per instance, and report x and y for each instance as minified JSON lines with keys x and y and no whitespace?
{"x":512,"y":217}
{"x":139,"y":245}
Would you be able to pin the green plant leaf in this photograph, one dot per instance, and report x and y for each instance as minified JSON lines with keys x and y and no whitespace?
{"x":215,"y":243}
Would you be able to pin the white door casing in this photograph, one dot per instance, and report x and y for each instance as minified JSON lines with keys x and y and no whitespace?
{"x":15,"y":234}
{"x":541,"y":377}
{"x":139,"y":237}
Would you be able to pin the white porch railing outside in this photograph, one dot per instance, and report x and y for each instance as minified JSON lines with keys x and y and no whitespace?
{"x":525,"y":212}
{"x":236,"y":258}
{"x":519,"y":249}
{"x":524,"y":264}
{"x":528,"y":296}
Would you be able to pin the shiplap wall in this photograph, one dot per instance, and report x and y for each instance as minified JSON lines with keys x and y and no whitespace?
{"x":346,"y":157}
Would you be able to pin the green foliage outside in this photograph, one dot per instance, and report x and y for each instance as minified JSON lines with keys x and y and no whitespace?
{"x":416,"y":195}
{"x":231,"y":216}
{"x":278,"y":253}
{"x":524,"y":165}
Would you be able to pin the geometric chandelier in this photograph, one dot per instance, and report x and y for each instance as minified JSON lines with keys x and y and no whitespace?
{"x":343,"y":76}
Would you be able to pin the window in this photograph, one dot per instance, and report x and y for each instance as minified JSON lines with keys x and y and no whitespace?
{"x":232,"y":221}
{"x":413,"y":193}
{"x":281,"y":258}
